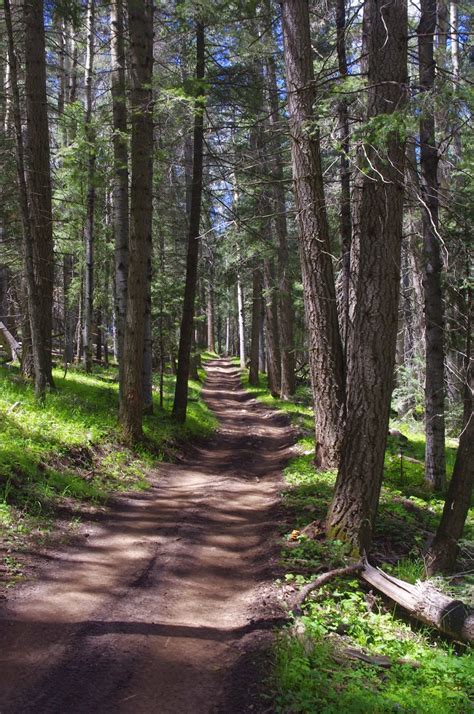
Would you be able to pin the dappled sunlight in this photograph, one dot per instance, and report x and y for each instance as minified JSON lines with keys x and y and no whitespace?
{"x":167,"y":574}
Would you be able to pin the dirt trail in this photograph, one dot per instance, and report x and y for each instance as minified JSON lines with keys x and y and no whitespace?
{"x":154,"y":612}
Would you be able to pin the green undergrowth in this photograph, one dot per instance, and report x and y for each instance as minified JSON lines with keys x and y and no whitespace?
{"x":318,"y":665}
{"x":69,"y":449}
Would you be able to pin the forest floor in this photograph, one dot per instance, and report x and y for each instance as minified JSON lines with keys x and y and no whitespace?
{"x":165,"y":602}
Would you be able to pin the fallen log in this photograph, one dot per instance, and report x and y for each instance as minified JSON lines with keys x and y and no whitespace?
{"x":9,"y":342}
{"x":423,"y":602}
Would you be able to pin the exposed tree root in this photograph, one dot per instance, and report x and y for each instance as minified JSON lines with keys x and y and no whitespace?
{"x":322,"y":580}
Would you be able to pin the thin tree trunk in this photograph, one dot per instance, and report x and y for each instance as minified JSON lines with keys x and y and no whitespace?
{"x":211,"y":345}
{"x":27,"y":361}
{"x":408,"y":308}
{"x":345,"y":221}
{"x":8,"y":101}
{"x":325,"y":346}
{"x":376,"y":254}
{"x":468,"y":396}
{"x":148,"y":352}
{"x":227,"y":336}
{"x":271,"y":329}
{"x":61,"y":76}
{"x":87,"y":339}
{"x":68,"y":325}
{"x":241,"y":321}
{"x":186,"y":333}
{"x":140,"y":14}
{"x":120,"y":200}
{"x":255,"y":336}
{"x":98,"y":335}
{"x":435,"y":464}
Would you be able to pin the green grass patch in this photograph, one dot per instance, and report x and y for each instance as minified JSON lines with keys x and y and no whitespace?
{"x":69,"y":448}
{"x":312,"y":671}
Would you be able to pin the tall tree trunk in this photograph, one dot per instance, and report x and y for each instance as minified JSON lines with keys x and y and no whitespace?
{"x":285,"y":305}
{"x":442,"y":554}
{"x":61,"y":75}
{"x":186,"y":333}
{"x":408,"y":308}
{"x":271,"y":301}
{"x":211,"y":344}
{"x":435,"y":464}
{"x":227,"y":336}
{"x":325,"y":347}
{"x":120,"y":202}
{"x":376,"y":253}
{"x":345,"y":222}
{"x":256,"y":317}
{"x":140,"y":14}
{"x":38,"y":176}
{"x":271,"y":329}
{"x":148,"y":351}
{"x":241,"y":321}
{"x":34,"y":186}
{"x":468,"y":366}
{"x":87,"y":339}
{"x":68,"y":263}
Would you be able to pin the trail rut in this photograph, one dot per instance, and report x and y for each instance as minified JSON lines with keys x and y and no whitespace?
{"x":155,"y":611}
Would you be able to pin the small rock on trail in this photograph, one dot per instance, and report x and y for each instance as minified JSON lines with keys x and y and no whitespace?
{"x":166,"y":605}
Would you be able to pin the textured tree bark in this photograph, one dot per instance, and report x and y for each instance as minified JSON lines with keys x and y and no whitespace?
{"x":87,"y":338}
{"x":345,"y":223}
{"x":325,"y":347}
{"x":140,"y":14}
{"x":186,"y":332}
{"x":435,"y":464}
{"x":376,"y":254}
{"x":34,"y":191}
{"x":38,"y":176}
{"x":120,"y":201}
{"x":255,"y":332}
{"x":442,"y":554}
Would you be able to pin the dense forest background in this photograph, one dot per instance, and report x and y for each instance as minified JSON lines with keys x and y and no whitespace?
{"x":289,"y":183}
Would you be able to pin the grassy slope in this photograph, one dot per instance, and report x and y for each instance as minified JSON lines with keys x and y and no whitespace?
{"x":312,"y":673}
{"x":68,"y":451}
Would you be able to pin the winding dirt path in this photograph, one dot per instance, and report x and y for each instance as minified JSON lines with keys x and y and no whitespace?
{"x":167,"y":594}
